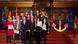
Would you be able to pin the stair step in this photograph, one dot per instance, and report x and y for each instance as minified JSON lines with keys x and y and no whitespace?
{"x":55,"y":40}
{"x":52,"y":38}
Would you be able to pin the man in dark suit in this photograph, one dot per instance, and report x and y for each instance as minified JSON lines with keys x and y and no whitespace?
{"x":23,"y":29}
{"x":32,"y":27}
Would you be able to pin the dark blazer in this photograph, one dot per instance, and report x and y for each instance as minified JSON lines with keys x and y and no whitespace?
{"x":29,"y":24}
{"x":23,"y":26}
{"x":26,"y":26}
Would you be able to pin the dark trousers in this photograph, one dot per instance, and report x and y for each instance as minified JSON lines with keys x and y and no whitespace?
{"x":44,"y":33}
{"x":26,"y":36}
{"x":16,"y":36}
{"x":29,"y":37}
{"x":23,"y":36}
{"x":38,"y":35}
{"x":9,"y":39}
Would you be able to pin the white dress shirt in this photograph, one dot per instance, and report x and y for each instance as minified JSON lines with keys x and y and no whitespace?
{"x":39,"y":23}
{"x":44,"y":27}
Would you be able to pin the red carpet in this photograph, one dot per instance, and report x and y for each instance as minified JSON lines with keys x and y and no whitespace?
{"x":58,"y":38}
{"x":0,"y":30}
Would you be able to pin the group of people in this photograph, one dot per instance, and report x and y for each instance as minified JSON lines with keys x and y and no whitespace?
{"x":27,"y":28}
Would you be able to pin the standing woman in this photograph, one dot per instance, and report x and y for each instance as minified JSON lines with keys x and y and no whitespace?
{"x":44,"y":26}
{"x":38,"y":31}
{"x":17,"y":28}
{"x":14,"y":21}
{"x":44,"y":29}
{"x":10,"y":27}
{"x":28,"y":29}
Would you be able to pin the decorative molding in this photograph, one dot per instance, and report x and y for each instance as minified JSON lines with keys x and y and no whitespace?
{"x":20,"y":4}
{"x":45,"y":4}
{"x":65,"y":4}
{"x":62,"y":4}
{"x":17,"y":4}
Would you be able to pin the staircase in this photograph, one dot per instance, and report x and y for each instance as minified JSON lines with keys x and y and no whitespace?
{"x":2,"y":37}
{"x":52,"y":38}
{"x":57,"y":38}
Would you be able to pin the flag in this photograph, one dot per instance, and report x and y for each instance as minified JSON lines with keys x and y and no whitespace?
{"x":75,"y":26}
{"x":26,"y":13}
{"x":3,"y":17}
{"x":16,"y":11}
{"x":70,"y":20}
{"x":10,"y":15}
{"x":31,"y":13}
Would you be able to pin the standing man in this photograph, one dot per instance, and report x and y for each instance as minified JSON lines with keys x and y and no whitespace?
{"x":23,"y":29}
{"x":32,"y":29}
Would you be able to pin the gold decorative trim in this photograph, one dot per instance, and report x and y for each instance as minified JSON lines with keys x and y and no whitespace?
{"x":45,"y":4}
{"x":17,"y":4}
{"x":65,"y":4}
{"x":20,"y":4}
{"x":62,"y":4}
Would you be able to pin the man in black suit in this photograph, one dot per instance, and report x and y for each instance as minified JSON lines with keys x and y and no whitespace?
{"x":23,"y":29}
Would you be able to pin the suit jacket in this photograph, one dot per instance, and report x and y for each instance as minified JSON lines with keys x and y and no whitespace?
{"x":15,"y":25}
{"x":29,"y":24}
{"x":23,"y":26}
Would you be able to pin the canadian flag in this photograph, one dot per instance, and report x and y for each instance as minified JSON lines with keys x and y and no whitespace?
{"x":16,"y":10}
{"x":10,"y":15}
